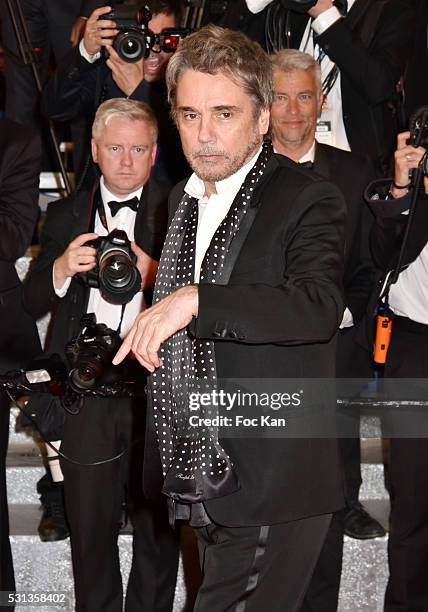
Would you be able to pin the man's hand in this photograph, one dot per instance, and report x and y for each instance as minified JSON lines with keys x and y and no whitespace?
{"x":155,"y":325}
{"x":126,"y":75}
{"x":147,"y":267}
{"x":406,"y":158}
{"x":320,"y":7}
{"x":76,"y":258}
{"x":99,"y":33}
{"x":77,"y":31}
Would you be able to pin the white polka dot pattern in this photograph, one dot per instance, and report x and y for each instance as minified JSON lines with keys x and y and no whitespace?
{"x":195,"y":466}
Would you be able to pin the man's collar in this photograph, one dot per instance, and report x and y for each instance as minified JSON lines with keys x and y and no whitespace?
{"x":195,"y":186}
{"x":309,"y":156}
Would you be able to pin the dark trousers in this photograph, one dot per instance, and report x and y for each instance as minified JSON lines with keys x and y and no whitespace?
{"x":7,"y":581}
{"x":407,"y":588}
{"x":94,"y":497}
{"x":252,"y":569}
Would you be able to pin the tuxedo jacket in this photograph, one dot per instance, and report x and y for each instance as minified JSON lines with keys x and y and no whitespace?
{"x":277,"y":318}
{"x":20,"y":155}
{"x":370,"y":63}
{"x":65,"y":220}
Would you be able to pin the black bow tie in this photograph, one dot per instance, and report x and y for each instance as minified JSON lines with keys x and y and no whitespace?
{"x":342,"y":6}
{"x":307,"y":164}
{"x":115,"y":206}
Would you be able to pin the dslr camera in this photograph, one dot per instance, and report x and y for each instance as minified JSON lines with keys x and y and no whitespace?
{"x":135,"y":40}
{"x":418,"y":125}
{"x":90,"y":355}
{"x":115,"y":273}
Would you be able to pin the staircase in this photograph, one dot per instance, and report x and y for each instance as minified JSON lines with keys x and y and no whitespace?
{"x":46,"y":566}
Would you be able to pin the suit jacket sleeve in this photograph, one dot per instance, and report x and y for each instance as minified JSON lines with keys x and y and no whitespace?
{"x":39,"y":295}
{"x":387,"y":234}
{"x":19,"y":182}
{"x":374,"y":71}
{"x":308,"y":306}
{"x":73,"y":89}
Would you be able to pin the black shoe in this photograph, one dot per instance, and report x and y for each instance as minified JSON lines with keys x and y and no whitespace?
{"x":359,"y":524}
{"x":53,"y":524}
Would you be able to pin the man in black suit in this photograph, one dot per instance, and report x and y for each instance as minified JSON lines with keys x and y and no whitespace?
{"x":407,"y":358}
{"x":249,"y":286}
{"x":94,"y":72}
{"x":124,"y":147}
{"x":19,"y":181}
{"x":363,"y":47}
{"x":297,"y":103}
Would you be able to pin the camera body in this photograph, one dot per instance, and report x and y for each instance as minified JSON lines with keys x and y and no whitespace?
{"x":115,"y":273}
{"x":135,"y":40}
{"x":418,"y":125}
{"x":90,"y":355}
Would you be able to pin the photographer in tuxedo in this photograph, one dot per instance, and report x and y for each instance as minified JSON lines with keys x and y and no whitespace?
{"x":296,"y":106}
{"x":104,"y":436}
{"x":94,"y":72}
{"x":407,"y":358}
{"x":20,"y":155}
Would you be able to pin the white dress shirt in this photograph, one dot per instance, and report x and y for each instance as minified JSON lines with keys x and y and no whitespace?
{"x":105,"y":312}
{"x":408,"y":297}
{"x":213,"y":209}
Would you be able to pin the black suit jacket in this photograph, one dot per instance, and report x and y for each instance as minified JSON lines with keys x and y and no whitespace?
{"x":277,"y":318}
{"x":352,"y":173}
{"x":20,"y":154}
{"x":65,"y":220}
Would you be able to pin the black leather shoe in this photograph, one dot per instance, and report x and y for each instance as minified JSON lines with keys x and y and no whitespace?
{"x":53,"y":524}
{"x":359,"y":524}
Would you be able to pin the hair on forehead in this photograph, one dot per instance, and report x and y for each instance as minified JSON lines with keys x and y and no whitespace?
{"x":291,"y":60}
{"x":214,"y":50}
{"x":122,"y":108}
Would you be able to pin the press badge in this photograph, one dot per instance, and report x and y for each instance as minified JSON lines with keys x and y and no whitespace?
{"x":324,"y":132}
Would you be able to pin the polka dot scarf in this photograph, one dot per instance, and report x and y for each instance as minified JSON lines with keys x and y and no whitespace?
{"x":195,"y":466}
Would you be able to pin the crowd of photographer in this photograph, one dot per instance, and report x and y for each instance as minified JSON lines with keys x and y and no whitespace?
{"x":340,"y":74}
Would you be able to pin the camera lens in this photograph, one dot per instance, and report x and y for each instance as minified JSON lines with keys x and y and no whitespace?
{"x":119,"y":278}
{"x":130,"y":46}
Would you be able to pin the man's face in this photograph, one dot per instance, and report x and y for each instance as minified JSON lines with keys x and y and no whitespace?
{"x":295,"y":109}
{"x":125,"y":153}
{"x":218,"y":129}
{"x":155,"y":65}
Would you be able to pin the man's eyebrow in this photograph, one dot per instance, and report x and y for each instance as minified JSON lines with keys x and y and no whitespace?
{"x":220,"y":107}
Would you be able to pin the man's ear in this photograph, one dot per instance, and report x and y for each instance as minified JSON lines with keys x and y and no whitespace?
{"x":94,"y":150}
{"x":263,"y":121}
{"x":154,"y":152}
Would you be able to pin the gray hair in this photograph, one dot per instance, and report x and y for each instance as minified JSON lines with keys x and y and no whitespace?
{"x":133,"y":110}
{"x":290,"y":60}
{"x":214,"y":50}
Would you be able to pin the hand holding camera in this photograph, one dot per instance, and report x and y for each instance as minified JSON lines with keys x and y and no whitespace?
{"x":78,"y":257}
{"x":99,"y":32}
{"x":411,"y":154}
